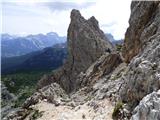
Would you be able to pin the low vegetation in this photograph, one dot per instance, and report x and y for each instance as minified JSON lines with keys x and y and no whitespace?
{"x":119,"y":47}
{"x":22,"y":84}
{"x":117,"y":109}
{"x":36,"y":114}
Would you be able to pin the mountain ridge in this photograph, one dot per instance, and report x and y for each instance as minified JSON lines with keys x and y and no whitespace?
{"x":16,"y":46}
{"x":47,"y":58}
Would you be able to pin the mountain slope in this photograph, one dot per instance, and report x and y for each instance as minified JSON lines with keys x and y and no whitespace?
{"x":48,"y":58}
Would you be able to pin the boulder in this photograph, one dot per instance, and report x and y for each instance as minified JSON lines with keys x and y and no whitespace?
{"x":148,"y":108}
{"x":52,"y":93}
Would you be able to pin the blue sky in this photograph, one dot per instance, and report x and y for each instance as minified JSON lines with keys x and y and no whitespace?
{"x":41,"y":16}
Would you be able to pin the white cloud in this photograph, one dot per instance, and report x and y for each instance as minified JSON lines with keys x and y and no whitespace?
{"x":37,"y":17}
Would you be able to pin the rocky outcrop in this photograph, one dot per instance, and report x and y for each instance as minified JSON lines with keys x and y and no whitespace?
{"x":7,"y":100}
{"x":142,"y":38}
{"x":103,"y":66}
{"x":86,"y":43}
{"x":148,"y":108}
{"x":143,"y":23}
{"x":6,"y":96}
{"x":52,"y":93}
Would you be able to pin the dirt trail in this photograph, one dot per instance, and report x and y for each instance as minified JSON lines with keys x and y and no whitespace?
{"x":92,"y":110}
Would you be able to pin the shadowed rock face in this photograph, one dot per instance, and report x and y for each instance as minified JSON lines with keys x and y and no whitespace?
{"x":143,"y":24}
{"x":86,"y":43}
{"x":143,"y":74}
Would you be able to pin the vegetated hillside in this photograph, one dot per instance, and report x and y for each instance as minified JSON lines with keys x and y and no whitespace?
{"x":21,"y":84}
{"x":16,"y":46}
{"x":46,"y":59}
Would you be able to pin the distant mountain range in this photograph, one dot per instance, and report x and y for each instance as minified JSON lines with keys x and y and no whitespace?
{"x":16,"y":46}
{"x":112,"y":40}
{"x":47,"y":59}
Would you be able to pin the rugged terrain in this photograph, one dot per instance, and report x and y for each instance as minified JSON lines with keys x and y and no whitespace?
{"x":99,"y":83}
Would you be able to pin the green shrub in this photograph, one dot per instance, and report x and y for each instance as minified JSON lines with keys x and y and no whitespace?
{"x":36,"y":114}
{"x":119,"y":47}
{"x":116,"y":110}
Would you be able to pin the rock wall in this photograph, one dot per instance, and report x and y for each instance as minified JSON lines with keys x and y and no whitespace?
{"x":143,"y":74}
{"x":143,"y":23}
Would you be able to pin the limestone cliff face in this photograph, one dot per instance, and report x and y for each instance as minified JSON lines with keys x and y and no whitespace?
{"x":86,"y":43}
{"x":148,"y":108}
{"x":143,"y":23}
{"x":142,"y":38}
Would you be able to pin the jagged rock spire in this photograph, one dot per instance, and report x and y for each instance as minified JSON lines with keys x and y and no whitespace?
{"x":86,"y":43}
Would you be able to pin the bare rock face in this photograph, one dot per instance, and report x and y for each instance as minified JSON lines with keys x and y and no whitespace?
{"x":86,"y":43}
{"x":103,"y":66}
{"x":148,"y":108}
{"x":143,"y":74}
{"x":143,"y":23}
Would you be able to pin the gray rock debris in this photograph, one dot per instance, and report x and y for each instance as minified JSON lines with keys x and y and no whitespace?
{"x":103,"y":66}
{"x":52,"y":93}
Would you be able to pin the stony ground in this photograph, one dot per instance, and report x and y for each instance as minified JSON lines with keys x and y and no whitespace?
{"x":92,"y":110}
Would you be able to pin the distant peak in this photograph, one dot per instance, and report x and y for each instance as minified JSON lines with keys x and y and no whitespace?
{"x":52,"y":33}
